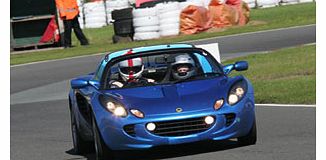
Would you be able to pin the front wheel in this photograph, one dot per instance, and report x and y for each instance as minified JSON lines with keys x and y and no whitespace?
{"x":102,"y":152}
{"x":250,"y":138}
{"x":80,"y":145}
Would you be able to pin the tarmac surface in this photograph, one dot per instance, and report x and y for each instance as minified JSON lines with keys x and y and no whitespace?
{"x":40,"y":123}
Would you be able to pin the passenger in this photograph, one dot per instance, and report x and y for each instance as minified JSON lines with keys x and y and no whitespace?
{"x":183,"y":67}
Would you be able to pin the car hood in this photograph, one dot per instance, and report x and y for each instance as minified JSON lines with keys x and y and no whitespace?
{"x":164,"y":99}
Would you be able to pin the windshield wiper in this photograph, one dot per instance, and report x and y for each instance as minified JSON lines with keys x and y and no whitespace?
{"x":208,"y":74}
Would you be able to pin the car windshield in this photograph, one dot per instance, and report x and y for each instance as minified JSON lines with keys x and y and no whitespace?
{"x":163,"y":68}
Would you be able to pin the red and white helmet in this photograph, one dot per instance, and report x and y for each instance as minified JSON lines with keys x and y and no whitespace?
{"x":131,"y":69}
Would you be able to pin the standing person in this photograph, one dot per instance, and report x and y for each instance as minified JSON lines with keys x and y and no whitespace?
{"x":69,"y":13}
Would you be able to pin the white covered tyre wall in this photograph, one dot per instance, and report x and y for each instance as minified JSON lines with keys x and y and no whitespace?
{"x":146,"y":35}
{"x":147,"y":29}
{"x":169,"y":18}
{"x":95,"y":16}
{"x":146,"y":23}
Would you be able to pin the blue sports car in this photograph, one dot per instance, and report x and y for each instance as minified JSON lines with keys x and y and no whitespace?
{"x":160,"y":95}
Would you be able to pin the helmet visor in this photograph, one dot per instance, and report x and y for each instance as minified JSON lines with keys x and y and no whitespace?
{"x":131,"y":70}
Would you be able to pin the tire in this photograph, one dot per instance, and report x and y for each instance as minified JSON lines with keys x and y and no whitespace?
{"x":171,"y":20}
{"x":123,"y":27}
{"x":122,"y":14}
{"x":118,"y":39}
{"x":173,"y":26}
{"x":146,"y":21}
{"x":171,"y":32}
{"x":147,"y":29}
{"x":143,"y":12}
{"x":102,"y":152}
{"x":80,"y":146}
{"x":146,"y":35}
{"x":250,"y":138}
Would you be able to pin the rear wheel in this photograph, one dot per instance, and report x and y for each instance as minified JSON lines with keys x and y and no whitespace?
{"x":102,"y":152}
{"x":80,"y":145}
{"x":250,"y":138}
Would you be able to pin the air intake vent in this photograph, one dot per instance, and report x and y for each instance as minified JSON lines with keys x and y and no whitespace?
{"x":229,"y":118}
{"x":130,"y":129}
{"x":181,"y":127}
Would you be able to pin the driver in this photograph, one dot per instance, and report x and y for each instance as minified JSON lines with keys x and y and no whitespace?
{"x":183,"y":67}
{"x":130,"y":73}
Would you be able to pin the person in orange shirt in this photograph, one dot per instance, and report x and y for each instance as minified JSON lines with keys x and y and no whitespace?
{"x":69,"y":12}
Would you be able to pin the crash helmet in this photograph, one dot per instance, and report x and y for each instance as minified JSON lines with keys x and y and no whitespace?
{"x":131,"y":69}
{"x":183,"y":61}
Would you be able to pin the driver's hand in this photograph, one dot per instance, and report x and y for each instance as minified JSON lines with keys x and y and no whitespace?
{"x":118,"y":84}
{"x":150,"y":80}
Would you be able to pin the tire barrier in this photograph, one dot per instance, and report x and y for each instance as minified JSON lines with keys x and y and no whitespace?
{"x":146,"y":35}
{"x":169,"y":18}
{"x":147,"y":29}
{"x":161,"y":19}
{"x":122,"y":14}
{"x":117,"y":39}
{"x":95,"y":16}
{"x":98,"y":14}
{"x":144,"y":12}
{"x":123,"y":22}
{"x":123,"y":27}
{"x":146,"y":23}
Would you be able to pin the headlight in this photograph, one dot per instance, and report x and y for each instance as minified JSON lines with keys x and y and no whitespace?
{"x":237,"y":92}
{"x":113,"y":106}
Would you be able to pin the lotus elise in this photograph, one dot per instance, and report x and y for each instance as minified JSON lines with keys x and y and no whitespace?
{"x":160,"y":95}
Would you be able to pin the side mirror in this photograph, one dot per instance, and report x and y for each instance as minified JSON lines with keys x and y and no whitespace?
{"x":78,"y":83}
{"x":238,"y":66}
{"x":241,"y":65}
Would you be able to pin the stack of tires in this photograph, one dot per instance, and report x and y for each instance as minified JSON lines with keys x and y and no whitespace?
{"x":251,"y":3}
{"x":267,"y":3}
{"x":95,"y":16}
{"x":169,"y":18}
{"x":122,"y":24}
{"x":112,"y":5}
{"x":146,"y":23}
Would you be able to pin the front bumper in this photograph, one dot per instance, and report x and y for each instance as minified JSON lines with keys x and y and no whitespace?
{"x":116,"y":138}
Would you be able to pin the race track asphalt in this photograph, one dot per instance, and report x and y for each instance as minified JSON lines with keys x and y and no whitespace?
{"x":40,"y":126}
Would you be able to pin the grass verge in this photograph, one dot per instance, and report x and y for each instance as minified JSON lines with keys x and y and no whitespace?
{"x":100,"y":39}
{"x":286,"y":76}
